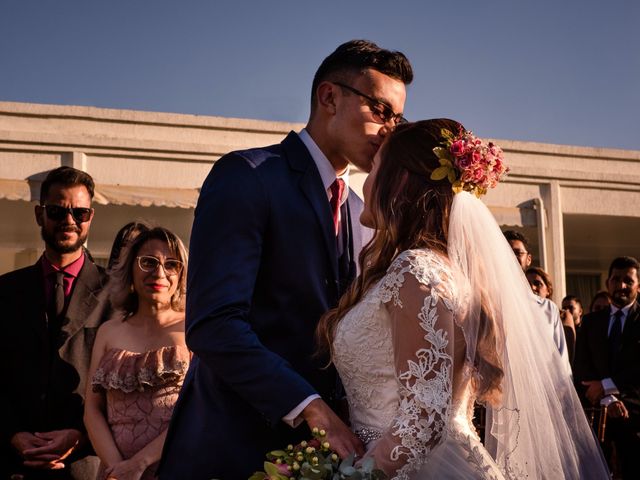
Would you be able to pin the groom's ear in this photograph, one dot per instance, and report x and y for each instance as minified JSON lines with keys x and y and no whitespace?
{"x":326,"y":97}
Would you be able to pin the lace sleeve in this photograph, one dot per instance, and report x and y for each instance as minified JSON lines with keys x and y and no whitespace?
{"x":418,"y":298}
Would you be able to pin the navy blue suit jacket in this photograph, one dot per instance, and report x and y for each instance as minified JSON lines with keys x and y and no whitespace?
{"x":263,"y":268}
{"x":593,"y":362}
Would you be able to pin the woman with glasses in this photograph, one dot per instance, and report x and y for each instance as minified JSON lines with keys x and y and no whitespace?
{"x":139,"y":357}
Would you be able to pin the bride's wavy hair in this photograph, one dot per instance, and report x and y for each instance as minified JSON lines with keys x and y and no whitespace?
{"x":410,"y":211}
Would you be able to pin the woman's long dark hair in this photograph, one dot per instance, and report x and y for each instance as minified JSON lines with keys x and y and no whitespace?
{"x":410,"y":211}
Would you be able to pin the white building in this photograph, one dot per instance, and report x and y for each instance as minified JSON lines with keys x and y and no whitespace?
{"x":578,"y":205}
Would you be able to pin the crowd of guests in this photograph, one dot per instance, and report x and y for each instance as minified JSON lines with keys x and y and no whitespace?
{"x":95,"y":357}
{"x":603,"y":348}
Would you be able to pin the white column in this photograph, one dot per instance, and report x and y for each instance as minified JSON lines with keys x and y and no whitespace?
{"x":76,"y":160}
{"x":555,"y":239}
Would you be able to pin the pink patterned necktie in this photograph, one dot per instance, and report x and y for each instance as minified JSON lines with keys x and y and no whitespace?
{"x":337,"y":188}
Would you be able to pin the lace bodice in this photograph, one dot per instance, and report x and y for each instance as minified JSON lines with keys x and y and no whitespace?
{"x":394,"y":351}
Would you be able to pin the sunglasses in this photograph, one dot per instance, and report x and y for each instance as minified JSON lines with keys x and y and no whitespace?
{"x":149,"y":263}
{"x":382,"y":112}
{"x":58,"y":213}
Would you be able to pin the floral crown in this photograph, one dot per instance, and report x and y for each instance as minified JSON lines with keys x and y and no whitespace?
{"x":469,"y":164}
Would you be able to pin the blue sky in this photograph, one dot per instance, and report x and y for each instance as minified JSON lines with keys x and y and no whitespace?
{"x":554,"y":71}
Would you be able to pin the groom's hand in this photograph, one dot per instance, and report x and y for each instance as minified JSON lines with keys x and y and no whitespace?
{"x":342,"y":440}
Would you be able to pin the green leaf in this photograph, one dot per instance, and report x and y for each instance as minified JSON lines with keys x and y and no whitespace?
{"x":368,"y":464}
{"x":451,"y":176}
{"x":441,"y":152}
{"x":258,"y":476}
{"x":439,"y":173}
{"x":271,"y":469}
{"x":278,"y":453}
{"x":347,"y":462}
{"x":446,"y":134}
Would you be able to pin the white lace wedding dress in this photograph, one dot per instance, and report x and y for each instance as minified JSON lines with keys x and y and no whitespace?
{"x":406,"y":354}
{"x":401,"y":356}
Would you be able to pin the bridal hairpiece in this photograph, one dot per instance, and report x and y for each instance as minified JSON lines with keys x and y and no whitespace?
{"x":468,"y":163}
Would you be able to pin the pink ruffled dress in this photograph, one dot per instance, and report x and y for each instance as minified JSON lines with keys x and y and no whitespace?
{"x":141,"y":390}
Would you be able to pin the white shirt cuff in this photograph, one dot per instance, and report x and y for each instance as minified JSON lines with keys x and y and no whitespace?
{"x":608,"y":400}
{"x":609,"y":387}
{"x":293,"y":418}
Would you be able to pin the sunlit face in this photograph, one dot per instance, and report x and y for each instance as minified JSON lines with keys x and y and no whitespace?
{"x":68,"y":234}
{"x":521,"y":253}
{"x":356,"y":131}
{"x":156,"y":286}
{"x":622,"y":285}
{"x":366,"y":217}
{"x":537,"y":285}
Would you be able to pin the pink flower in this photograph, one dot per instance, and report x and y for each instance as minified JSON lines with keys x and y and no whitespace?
{"x":283,"y":470}
{"x":457,"y":148}
{"x":463,"y":162}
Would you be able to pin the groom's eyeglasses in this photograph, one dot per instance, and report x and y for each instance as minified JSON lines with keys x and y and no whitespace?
{"x":58,"y":213}
{"x":382,"y":112}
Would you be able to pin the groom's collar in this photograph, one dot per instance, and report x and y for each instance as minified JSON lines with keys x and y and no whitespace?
{"x":327,"y":173}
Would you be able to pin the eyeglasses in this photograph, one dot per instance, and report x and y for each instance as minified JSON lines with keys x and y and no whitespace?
{"x":380,"y":110}
{"x":58,"y":213}
{"x":520,"y":253}
{"x":149,"y":263}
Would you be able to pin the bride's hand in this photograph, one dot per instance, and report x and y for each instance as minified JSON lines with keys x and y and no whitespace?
{"x":342,"y":440}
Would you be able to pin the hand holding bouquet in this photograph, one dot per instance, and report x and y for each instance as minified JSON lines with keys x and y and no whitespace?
{"x":314,"y":460}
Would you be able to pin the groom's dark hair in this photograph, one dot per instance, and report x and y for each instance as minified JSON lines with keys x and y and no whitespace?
{"x":355,"y":56}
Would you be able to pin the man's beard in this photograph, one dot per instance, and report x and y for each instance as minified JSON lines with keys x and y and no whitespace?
{"x":61,"y":248}
{"x":622,"y":299}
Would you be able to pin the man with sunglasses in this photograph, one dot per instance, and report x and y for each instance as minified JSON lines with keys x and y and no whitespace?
{"x":274,"y":245}
{"x":51,"y":313}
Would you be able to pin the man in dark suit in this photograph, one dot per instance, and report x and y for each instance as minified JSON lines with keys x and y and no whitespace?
{"x":274,"y":245}
{"x":607,"y":363}
{"x":51,"y":314}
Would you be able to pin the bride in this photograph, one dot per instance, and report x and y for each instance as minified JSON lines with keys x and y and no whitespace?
{"x":441,"y":317}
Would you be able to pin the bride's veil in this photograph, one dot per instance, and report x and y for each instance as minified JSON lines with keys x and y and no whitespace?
{"x":539,"y":429}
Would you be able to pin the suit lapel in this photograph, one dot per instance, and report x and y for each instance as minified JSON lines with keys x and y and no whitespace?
{"x":631,"y":327}
{"x":599,"y":346}
{"x":35,"y":306}
{"x":84,"y":298}
{"x":311,"y":185}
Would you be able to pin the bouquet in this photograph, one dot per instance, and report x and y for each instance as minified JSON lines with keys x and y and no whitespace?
{"x":314,"y":460}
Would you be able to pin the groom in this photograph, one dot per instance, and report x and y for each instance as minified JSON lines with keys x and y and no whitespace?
{"x":274,"y":245}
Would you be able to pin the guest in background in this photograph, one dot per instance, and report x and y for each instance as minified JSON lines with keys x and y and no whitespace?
{"x":607,"y":362}
{"x":52,"y":310}
{"x":540,"y":282}
{"x":520,"y":246}
{"x":124,"y":236}
{"x":571,"y":315}
{"x":140,"y":358}
{"x":601,"y":300}
{"x":542,"y":287}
